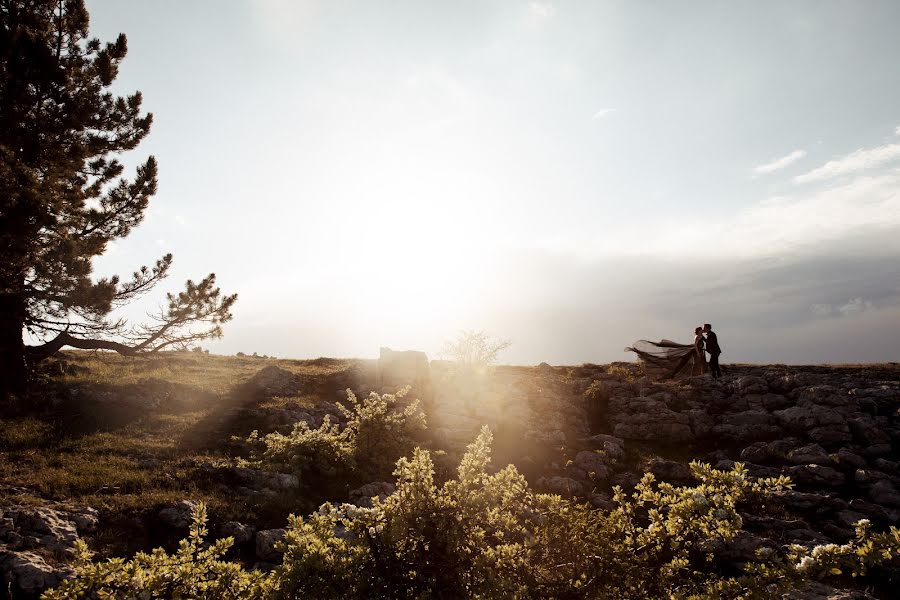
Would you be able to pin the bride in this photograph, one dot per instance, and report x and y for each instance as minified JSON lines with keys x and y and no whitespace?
{"x":671,"y":357}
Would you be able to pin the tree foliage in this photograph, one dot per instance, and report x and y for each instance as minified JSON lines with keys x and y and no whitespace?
{"x":474,"y":349}
{"x":64,"y":196}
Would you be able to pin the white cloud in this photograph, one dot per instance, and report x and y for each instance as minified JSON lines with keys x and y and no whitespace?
{"x":854,"y":162}
{"x":775,"y":226}
{"x":855,"y":306}
{"x":540,"y":11}
{"x":180,"y":219}
{"x":602,"y":113}
{"x":897,"y":131}
{"x":779,"y":163}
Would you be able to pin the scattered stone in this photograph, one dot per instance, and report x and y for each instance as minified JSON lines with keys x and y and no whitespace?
{"x":671,"y":471}
{"x":266,"y":541}
{"x":362,"y":496}
{"x":28,"y":573}
{"x":564,"y":486}
{"x":811,"y":454}
{"x":179,"y":516}
{"x":240,"y":532}
{"x":593,"y":464}
{"x":260,"y":480}
{"x":816,"y":475}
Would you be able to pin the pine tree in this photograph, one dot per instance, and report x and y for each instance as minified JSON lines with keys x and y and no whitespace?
{"x":63,"y":197}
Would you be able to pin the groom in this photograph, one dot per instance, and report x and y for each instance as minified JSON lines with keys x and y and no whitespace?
{"x":712,"y":346}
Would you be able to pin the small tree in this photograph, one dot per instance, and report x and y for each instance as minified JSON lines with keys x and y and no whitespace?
{"x":63,"y":198}
{"x":474,"y":349}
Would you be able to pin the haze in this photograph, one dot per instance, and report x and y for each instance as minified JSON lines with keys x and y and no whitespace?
{"x":571,"y":176}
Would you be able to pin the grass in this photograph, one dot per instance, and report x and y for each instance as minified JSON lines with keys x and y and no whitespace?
{"x":128,"y":461}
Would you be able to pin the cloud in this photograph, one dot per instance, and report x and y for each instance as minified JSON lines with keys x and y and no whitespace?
{"x":854,"y":162}
{"x":602,"y":113}
{"x":540,"y":11}
{"x":897,"y":131}
{"x":779,"y":163}
{"x":855,"y":306}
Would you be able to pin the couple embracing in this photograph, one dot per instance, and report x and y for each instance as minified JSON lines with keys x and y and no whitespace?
{"x":673,"y":359}
{"x":705,"y":339}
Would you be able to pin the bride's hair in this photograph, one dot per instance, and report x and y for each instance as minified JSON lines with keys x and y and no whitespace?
{"x":698,"y":330}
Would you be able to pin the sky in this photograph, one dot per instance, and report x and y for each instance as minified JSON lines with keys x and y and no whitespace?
{"x":568,"y":176}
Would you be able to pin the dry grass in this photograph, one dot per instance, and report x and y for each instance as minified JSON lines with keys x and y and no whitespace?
{"x":129,"y":463}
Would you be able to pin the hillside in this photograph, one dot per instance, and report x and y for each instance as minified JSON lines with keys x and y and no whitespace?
{"x":116,"y":450}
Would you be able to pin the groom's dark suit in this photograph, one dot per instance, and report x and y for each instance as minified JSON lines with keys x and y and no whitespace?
{"x":712,"y":346}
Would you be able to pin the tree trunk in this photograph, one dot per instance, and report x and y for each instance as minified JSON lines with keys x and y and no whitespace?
{"x":13,"y":368}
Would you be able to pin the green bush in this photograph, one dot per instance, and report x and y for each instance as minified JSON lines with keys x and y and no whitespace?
{"x":487,"y":535}
{"x":379,"y":430}
{"x":195,"y":570}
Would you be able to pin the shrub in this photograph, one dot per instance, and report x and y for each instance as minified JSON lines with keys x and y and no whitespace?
{"x":193,"y":571}
{"x":379,"y":430}
{"x":489,"y":536}
{"x":474,"y":349}
{"x":486,"y":535}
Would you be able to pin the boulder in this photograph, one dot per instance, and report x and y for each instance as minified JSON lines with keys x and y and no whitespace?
{"x":179,"y":516}
{"x":811,"y":454}
{"x":396,"y":369}
{"x":801,"y":419}
{"x":671,"y":471}
{"x":53,"y":529}
{"x":258,"y":479}
{"x":816,"y":475}
{"x":274,"y":381}
{"x":27,"y":573}
{"x":240,"y":532}
{"x":266,"y":541}
{"x":751,"y":384}
{"x":884,"y":493}
{"x":613,"y":446}
{"x":362,"y":496}
{"x":592,"y":463}
{"x":648,"y":419}
{"x":564,"y":486}
{"x":831,"y":434}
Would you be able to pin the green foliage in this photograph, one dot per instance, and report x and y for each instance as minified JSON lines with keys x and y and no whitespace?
{"x":474,"y":349}
{"x":379,"y":429}
{"x":195,"y":570}
{"x":64,"y":196}
{"x":487,"y":535}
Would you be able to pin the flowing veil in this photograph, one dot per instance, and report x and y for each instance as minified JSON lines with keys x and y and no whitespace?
{"x":666,"y":355}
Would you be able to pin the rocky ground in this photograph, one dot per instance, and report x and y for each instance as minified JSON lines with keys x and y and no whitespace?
{"x":576,"y":431}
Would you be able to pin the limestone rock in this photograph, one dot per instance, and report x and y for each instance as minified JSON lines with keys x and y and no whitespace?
{"x":273,"y":381}
{"x":27,"y":573}
{"x":258,"y":479}
{"x":179,"y":516}
{"x":564,"y":486}
{"x":613,"y":446}
{"x":811,"y":454}
{"x":362,"y":496}
{"x":265,"y":544}
{"x":592,"y":463}
{"x":399,"y":368}
{"x":240,"y":532}
{"x":816,"y":475}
